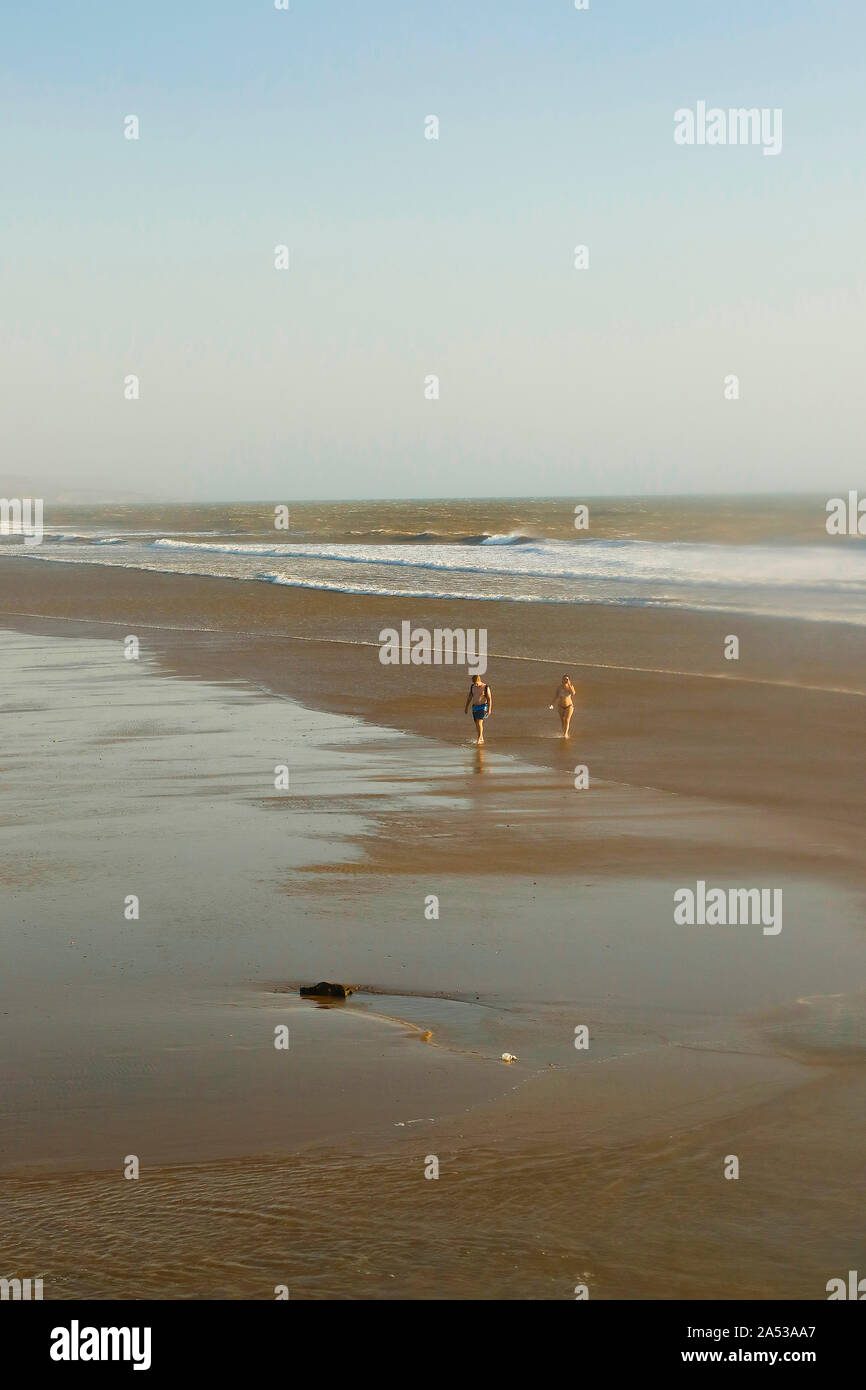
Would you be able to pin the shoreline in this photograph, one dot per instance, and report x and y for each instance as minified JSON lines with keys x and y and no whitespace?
{"x":646,"y":724}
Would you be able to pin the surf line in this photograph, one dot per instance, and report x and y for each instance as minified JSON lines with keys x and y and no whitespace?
{"x":500,"y":656}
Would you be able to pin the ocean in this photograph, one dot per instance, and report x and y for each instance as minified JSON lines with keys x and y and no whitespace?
{"x":764,"y":556}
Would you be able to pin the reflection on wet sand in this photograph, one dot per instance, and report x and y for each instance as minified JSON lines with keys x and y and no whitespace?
{"x":305,"y":1165}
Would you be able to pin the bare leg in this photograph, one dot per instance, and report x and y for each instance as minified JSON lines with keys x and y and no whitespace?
{"x":569,"y":711}
{"x":479,"y":724}
{"x":562,"y":724}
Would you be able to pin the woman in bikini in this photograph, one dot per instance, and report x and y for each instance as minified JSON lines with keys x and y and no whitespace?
{"x":564,"y":703}
{"x":480,"y":697}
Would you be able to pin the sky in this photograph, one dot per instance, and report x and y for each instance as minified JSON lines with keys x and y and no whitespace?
{"x":411,"y":258}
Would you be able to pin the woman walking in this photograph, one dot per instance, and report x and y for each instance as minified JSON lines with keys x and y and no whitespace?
{"x":564,"y":703}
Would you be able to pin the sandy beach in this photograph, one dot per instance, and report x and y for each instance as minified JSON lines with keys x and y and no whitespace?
{"x":155,"y":1036}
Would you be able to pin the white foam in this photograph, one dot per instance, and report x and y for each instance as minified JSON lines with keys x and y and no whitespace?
{"x":809,"y":566}
{"x":825,"y":582}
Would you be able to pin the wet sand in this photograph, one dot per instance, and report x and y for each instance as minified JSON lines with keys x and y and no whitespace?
{"x":658,"y":705}
{"x":155,"y":1037}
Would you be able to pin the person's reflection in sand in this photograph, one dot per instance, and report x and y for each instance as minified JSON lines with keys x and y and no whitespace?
{"x":480,"y":750}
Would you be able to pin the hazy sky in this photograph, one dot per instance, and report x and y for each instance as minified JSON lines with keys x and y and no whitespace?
{"x":412,"y":257}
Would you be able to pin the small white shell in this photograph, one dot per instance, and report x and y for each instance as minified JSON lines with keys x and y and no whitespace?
{"x":509,"y":1057}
